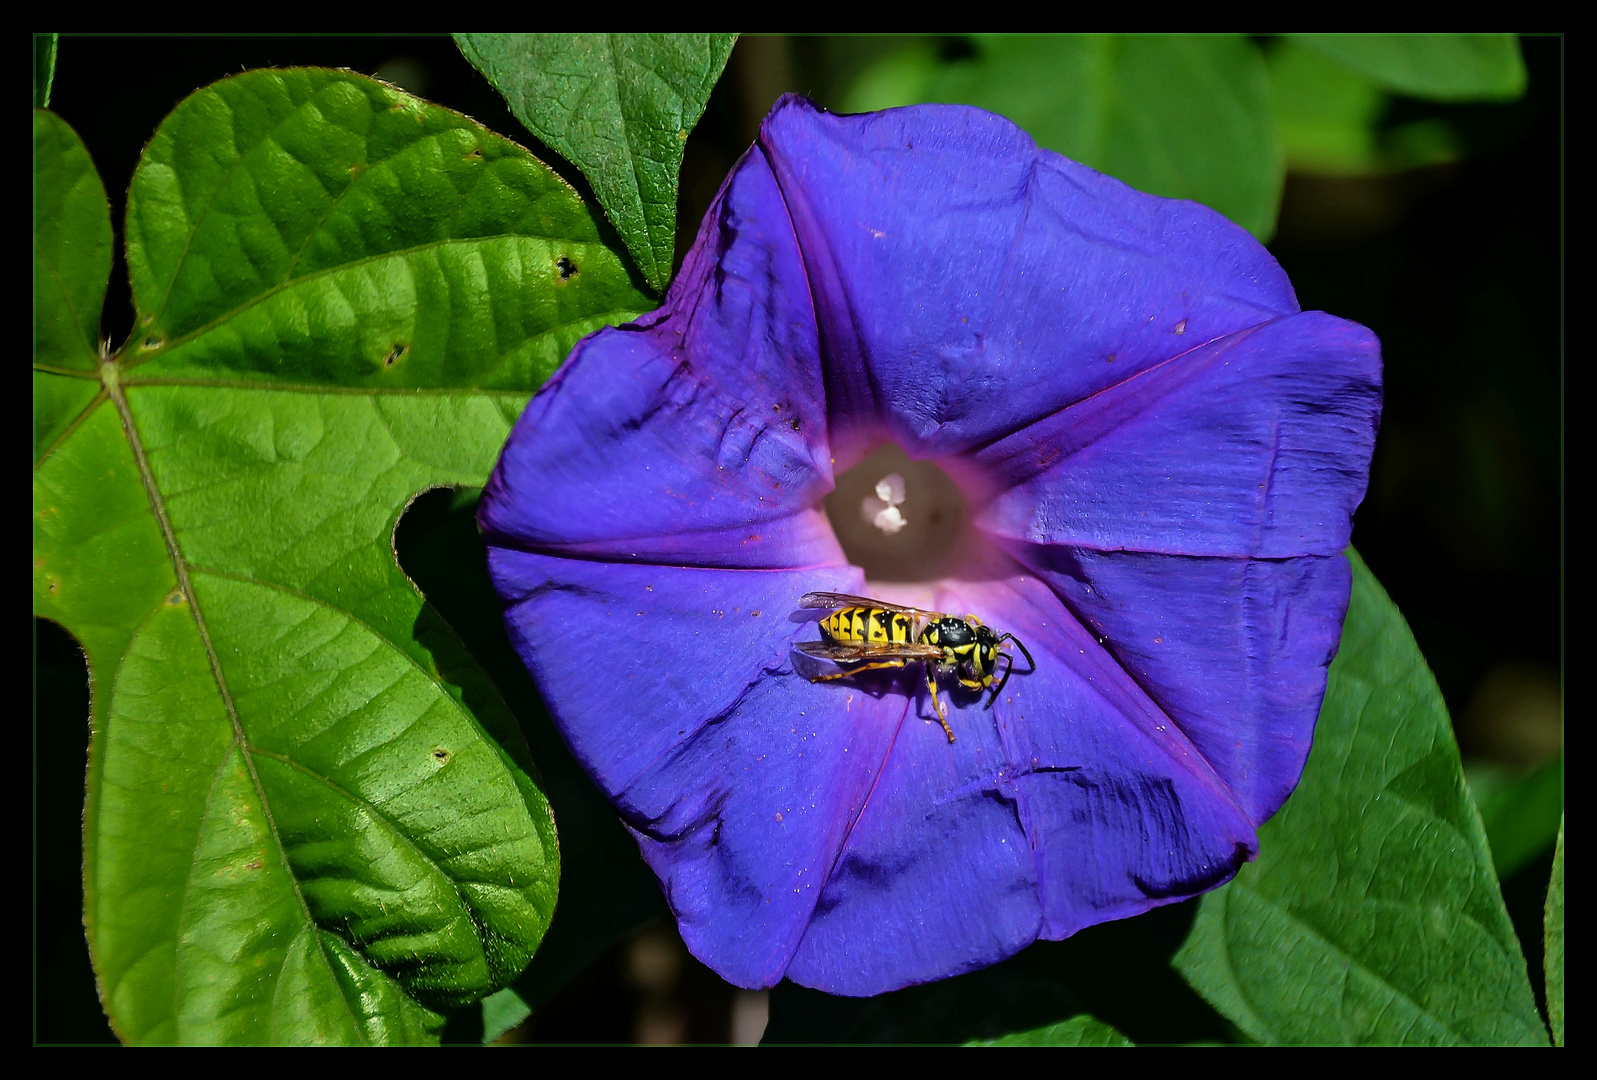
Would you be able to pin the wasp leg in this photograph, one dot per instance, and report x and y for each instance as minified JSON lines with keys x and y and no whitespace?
{"x":942,"y":717}
{"x":855,"y":671}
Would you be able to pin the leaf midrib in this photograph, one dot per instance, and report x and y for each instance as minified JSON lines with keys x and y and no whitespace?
{"x":181,"y":568}
{"x":288,"y":283}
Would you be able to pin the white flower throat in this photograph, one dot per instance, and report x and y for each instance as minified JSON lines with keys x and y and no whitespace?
{"x":900,"y":520}
{"x":882,"y":509}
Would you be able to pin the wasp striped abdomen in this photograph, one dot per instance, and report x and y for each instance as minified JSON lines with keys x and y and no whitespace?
{"x":858,"y":623}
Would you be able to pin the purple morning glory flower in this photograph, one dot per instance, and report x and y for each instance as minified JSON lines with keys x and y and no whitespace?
{"x":1160,"y":453}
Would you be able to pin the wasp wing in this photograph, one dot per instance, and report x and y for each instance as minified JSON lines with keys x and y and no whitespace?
{"x":854,"y":652}
{"x":842,"y":600}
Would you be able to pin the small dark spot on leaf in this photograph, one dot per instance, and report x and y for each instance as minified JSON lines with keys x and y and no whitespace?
{"x":174,"y":598}
{"x":155,"y":341}
{"x":794,"y":423}
{"x":567,"y":268}
{"x":253,"y":864}
{"x":395,"y":355}
{"x":54,"y":585}
{"x":441,"y":755}
{"x":1111,"y":358}
{"x":476,"y":153}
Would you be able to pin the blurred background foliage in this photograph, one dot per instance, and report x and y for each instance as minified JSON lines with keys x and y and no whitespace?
{"x":1418,"y":193}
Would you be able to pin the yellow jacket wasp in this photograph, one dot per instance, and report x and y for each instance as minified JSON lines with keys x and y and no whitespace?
{"x":866,"y":635}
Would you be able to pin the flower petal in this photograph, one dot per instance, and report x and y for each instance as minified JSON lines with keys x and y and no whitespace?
{"x":673,"y":688}
{"x":937,"y":876}
{"x":696,"y":436}
{"x":1234,"y":650}
{"x":1072,"y":800}
{"x":1256,"y":444}
{"x":968,"y":282}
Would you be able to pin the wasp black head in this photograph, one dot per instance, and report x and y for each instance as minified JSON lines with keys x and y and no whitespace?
{"x":986,"y":652}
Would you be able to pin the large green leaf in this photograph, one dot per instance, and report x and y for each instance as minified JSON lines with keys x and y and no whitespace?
{"x":1447,"y":67}
{"x":309,"y":813}
{"x":617,"y":106}
{"x":1553,"y":962}
{"x":1177,"y":115}
{"x":1372,"y":914}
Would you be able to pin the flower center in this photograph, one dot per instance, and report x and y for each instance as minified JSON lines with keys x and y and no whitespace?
{"x":900,"y":520}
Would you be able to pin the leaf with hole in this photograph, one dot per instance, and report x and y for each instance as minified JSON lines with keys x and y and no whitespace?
{"x":310,"y":817}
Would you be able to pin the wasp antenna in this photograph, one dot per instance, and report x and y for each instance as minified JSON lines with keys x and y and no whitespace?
{"x":1022,"y":647}
{"x":1002,"y":682}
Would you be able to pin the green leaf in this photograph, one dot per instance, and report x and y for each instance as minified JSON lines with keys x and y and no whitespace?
{"x":1372,"y":914}
{"x":1327,"y":113}
{"x":1553,"y":963}
{"x":501,"y":1012}
{"x":606,"y":889}
{"x":1176,"y":115}
{"x":617,"y":106}
{"x":310,"y":816}
{"x":1077,"y":1031}
{"x":1444,"y":67}
{"x":1522,"y":814}
{"x":44,"y":49}
{"x":899,"y":77}
{"x":71,"y":264}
